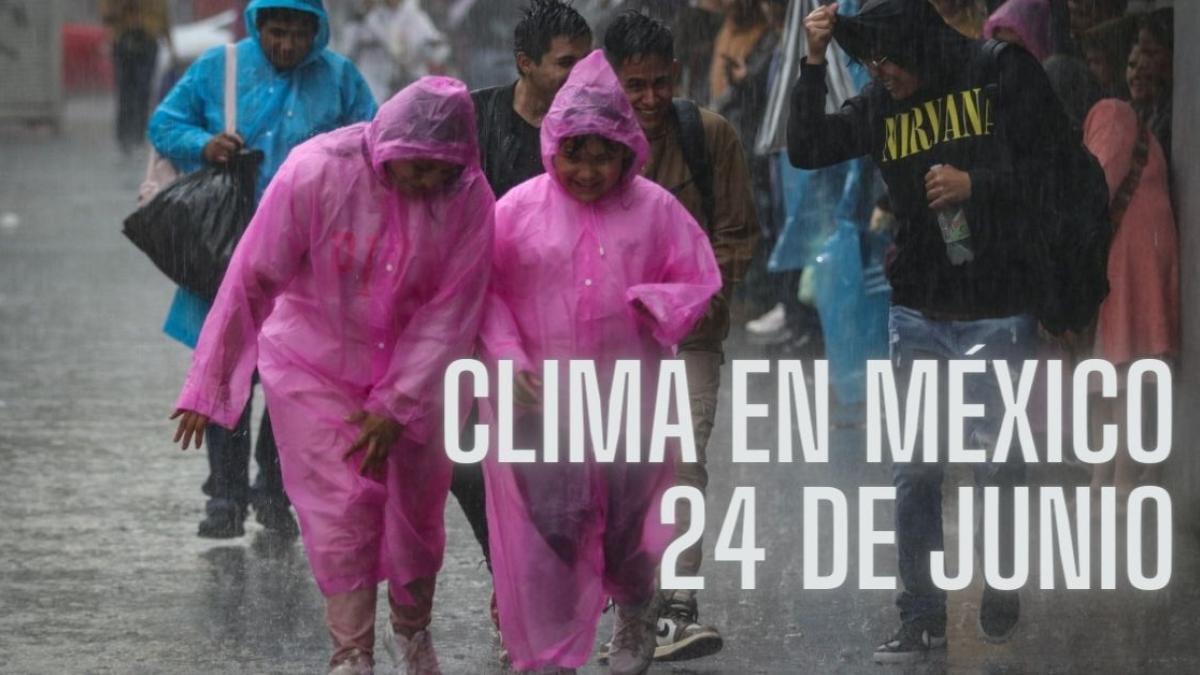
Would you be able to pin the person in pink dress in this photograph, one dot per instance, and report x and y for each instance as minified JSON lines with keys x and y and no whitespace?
{"x":592,"y":261}
{"x":1140,"y":316}
{"x":361,"y":277}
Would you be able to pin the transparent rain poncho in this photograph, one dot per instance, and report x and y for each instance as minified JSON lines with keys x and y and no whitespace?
{"x":347,"y":295}
{"x":567,"y":274}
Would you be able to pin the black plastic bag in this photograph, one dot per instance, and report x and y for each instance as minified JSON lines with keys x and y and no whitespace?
{"x":191,"y":228}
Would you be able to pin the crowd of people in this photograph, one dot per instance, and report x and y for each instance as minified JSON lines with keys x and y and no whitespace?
{"x":628,"y":180}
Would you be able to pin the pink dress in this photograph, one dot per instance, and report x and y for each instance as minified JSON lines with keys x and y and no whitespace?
{"x":1140,"y":316}
{"x":565,"y":537}
{"x":346,"y":295}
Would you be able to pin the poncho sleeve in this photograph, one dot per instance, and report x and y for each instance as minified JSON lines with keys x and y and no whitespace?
{"x":177,"y":128}
{"x":499,"y":336}
{"x":267,"y":258}
{"x":687,"y":279}
{"x":442,"y":330}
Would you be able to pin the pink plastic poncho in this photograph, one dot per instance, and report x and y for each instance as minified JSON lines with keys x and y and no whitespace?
{"x":566,"y":536}
{"x":1029,"y":19}
{"x":348,"y":295}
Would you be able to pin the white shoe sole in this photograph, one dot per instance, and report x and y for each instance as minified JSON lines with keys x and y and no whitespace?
{"x":692,"y":647}
{"x":910,"y":657}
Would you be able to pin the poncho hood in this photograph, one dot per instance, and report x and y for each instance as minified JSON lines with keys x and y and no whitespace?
{"x":592,"y":102}
{"x":432,"y":118}
{"x":316,"y":7}
{"x":910,"y":32}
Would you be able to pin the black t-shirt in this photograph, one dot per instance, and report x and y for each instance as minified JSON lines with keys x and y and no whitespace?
{"x":509,"y":147}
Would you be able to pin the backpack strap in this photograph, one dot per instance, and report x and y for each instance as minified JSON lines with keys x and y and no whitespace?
{"x":695,"y":153}
{"x":230,"y":91}
{"x":988,"y":67}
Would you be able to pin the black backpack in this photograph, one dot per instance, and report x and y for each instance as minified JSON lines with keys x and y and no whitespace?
{"x":695,"y":154}
{"x":1072,"y":252}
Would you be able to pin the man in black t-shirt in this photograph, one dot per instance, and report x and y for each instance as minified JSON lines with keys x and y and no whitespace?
{"x":547,"y":42}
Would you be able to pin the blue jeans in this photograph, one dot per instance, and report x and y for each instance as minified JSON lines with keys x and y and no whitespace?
{"x":913,"y":336}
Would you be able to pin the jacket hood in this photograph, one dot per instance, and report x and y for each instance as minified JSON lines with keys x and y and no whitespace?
{"x":311,"y":6}
{"x":432,"y":118}
{"x":592,"y":102}
{"x":1030,"y":19}
{"x":910,"y":32}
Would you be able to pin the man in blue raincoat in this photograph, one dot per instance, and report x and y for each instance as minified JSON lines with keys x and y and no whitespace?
{"x":289,"y":89}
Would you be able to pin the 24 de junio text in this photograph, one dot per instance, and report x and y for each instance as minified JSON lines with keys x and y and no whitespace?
{"x":598,"y":421}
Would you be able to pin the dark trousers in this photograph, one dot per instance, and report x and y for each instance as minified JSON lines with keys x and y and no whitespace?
{"x":918,"y":484}
{"x":134,"y":56}
{"x":468,"y":488}
{"x":228,"y":482}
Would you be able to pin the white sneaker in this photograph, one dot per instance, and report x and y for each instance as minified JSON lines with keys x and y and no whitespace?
{"x":356,"y":663}
{"x":773,"y":321}
{"x":414,"y":655}
{"x":632,"y":647}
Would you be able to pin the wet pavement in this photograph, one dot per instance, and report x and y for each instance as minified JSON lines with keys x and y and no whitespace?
{"x":101,"y":571}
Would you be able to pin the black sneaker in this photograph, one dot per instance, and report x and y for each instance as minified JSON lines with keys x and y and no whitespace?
{"x":998,"y":614}
{"x":276,"y":517}
{"x":680,"y":635}
{"x":910,"y":643}
{"x":224,"y":521}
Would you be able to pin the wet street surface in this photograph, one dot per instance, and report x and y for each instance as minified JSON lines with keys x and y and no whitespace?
{"x":101,"y":571}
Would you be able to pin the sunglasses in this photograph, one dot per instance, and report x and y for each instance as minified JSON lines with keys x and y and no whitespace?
{"x":877,"y":61}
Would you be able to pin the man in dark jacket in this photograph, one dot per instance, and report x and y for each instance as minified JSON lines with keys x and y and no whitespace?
{"x":958,"y":133}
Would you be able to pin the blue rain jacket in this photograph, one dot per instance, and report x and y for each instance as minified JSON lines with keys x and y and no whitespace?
{"x":276,"y":111}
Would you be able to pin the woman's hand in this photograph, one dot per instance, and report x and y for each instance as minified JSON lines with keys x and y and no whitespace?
{"x":377,"y":436}
{"x":192,"y":424}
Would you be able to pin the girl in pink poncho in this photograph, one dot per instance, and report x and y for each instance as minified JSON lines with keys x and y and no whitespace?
{"x":361,"y":276}
{"x":592,"y":261}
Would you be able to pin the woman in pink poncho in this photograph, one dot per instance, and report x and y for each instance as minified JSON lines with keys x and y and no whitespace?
{"x":361,"y":276}
{"x":592,"y":261}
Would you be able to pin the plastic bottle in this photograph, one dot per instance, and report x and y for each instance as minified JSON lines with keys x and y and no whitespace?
{"x":952,"y":220}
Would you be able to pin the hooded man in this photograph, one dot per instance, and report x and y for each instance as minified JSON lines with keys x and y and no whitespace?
{"x":946,"y":141}
{"x":289,"y":89}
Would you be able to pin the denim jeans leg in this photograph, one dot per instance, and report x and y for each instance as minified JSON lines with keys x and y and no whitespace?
{"x":918,"y":484}
{"x":918,"y":532}
{"x":1013,"y":340}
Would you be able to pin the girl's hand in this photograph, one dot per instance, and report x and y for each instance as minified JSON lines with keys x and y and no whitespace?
{"x":528,"y":392}
{"x":192,"y":424}
{"x":378,"y":435}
